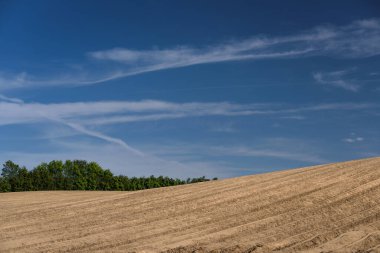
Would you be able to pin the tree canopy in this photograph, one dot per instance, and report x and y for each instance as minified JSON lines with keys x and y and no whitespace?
{"x":78,"y":175}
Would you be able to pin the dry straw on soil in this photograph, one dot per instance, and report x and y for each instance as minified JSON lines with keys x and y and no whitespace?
{"x":328,"y":208}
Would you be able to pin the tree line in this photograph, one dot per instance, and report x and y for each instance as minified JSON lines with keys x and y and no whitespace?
{"x":78,"y":175}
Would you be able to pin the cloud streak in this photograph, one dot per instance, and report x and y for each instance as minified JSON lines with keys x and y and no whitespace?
{"x":117,"y":112}
{"x":359,"y":39}
{"x":277,"y":148}
{"x":117,"y":141}
{"x":356,"y":40}
{"x":353,"y":140}
{"x":80,"y":116}
{"x":42,"y":113}
{"x":273,"y":153}
{"x":337,"y":79}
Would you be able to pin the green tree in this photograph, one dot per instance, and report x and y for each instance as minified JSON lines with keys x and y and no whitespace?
{"x":11,"y":173}
{"x":94,"y":175}
{"x":78,"y":175}
{"x":10,"y":169}
{"x":4,"y":185}
{"x":42,"y":179}
{"x":106,"y":180}
{"x":25,"y":180}
{"x":55,"y":169}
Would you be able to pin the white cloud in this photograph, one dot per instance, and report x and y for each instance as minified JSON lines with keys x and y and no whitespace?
{"x":80,"y":116}
{"x":116,"y":112}
{"x":9,"y":99}
{"x":178,"y":162}
{"x":224,"y":129}
{"x":356,"y":40}
{"x":102,"y":136}
{"x":353,"y":140}
{"x":359,"y":39}
{"x":337,"y":79}
{"x":295,"y":117}
{"x":274,"y":153}
{"x":39,"y":112}
{"x":134,"y":158}
{"x":175,"y":58}
{"x":11,"y":81}
{"x":276,"y":148}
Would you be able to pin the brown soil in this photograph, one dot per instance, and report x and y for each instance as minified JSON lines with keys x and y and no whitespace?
{"x":327,"y":208}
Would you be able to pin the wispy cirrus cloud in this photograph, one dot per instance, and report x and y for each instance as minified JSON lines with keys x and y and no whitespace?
{"x":9,"y":99}
{"x":349,"y":79}
{"x":271,"y":152}
{"x":275,"y":148}
{"x":337,"y":79}
{"x":11,"y":81}
{"x":356,"y":40}
{"x":33,"y":113}
{"x":117,"y":112}
{"x":353,"y":140}
{"x":87,"y":118}
{"x":79,"y":115}
{"x":343,"y":41}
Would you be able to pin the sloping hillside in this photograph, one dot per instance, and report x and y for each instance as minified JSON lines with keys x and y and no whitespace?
{"x":328,"y":208}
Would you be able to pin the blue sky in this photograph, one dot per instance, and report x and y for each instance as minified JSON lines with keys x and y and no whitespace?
{"x":189,"y":88}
